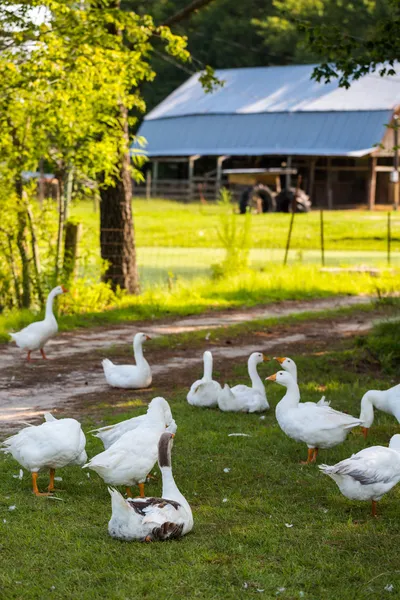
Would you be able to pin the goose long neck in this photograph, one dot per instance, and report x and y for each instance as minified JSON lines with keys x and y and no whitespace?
{"x":367,"y":407}
{"x":208,"y":366}
{"x":254,"y":376}
{"x":138,"y":352}
{"x":292,"y":397}
{"x":170,"y":490}
{"x":49,"y":305}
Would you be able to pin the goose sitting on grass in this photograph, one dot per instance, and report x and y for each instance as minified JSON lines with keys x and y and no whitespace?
{"x":37,"y":334}
{"x":204,"y":392}
{"x":153,"y":519}
{"x":242,"y":398}
{"x":130,"y":376}
{"x":369,"y":474}
{"x":387,"y":401}
{"x":111,"y":433}
{"x":131,"y":458}
{"x":290,"y":366}
{"x":51,"y":445}
{"x":316,"y":426}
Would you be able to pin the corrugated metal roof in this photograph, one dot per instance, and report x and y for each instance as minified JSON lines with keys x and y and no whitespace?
{"x":278,"y":89}
{"x":296,"y":133}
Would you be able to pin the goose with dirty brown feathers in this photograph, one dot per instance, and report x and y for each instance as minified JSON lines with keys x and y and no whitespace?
{"x":152,"y":519}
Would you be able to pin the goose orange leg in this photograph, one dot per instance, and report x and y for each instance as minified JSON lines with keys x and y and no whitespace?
{"x":315,"y":454}
{"x":128,"y":492}
{"x":310,"y":455}
{"x":43,"y":354}
{"x":28,"y":358}
{"x":141,"y":489}
{"x":374,"y":508}
{"x":35,"y":487}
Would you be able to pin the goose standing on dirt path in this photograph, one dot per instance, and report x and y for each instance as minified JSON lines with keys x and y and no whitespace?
{"x":54,"y":444}
{"x":317,"y":426}
{"x":131,"y":458}
{"x":369,"y":474}
{"x":204,"y":392}
{"x":153,"y":519}
{"x":111,"y":433}
{"x":37,"y":334}
{"x":130,"y":376}
{"x":387,"y":401}
{"x":290,"y":366}
{"x":242,"y":398}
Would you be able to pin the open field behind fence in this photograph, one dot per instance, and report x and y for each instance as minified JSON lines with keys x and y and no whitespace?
{"x":182,"y":240}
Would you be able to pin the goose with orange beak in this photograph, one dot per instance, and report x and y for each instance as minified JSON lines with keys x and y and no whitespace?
{"x":130,"y":376}
{"x":37,"y":334}
{"x":290,"y":366}
{"x":242,"y":398}
{"x":317,"y":426}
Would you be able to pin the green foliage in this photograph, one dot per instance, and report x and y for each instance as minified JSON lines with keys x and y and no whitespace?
{"x":384,"y":345}
{"x":346,"y":53}
{"x":234,"y":237}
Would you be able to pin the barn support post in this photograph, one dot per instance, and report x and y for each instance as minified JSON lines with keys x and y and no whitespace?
{"x":372,"y":183}
{"x":155,"y":179}
{"x":192,"y":160}
{"x":396,"y":163}
{"x":288,"y":177}
{"x":218,"y":179}
{"x":329,"y":191}
{"x":148,"y":185}
{"x":311,"y":178}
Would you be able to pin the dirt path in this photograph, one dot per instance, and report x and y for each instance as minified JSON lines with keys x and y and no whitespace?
{"x":73,"y":377}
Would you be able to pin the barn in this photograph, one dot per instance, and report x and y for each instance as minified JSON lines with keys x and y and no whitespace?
{"x":267,"y":118}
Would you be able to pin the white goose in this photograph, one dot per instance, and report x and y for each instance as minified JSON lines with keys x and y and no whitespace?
{"x":111,"y":433}
{"x":130,"y":376}
{"x":387,"y":401}
{"x":51,"y":445}
{"x":131,"y":458}
{"x":369,"y":474}
{"x":37,"y":334}
{"x":151,"y":519}
{"x":317,"y":426}
{"x":242,"y":398}
{"x":204,"y":392}
{"x":290,"y":366}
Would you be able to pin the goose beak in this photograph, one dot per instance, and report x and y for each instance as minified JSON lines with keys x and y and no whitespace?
{"x":265,"y":358}
{"x":172,"y":435}
{"x":64,"y":289}
{"x":147,"y":337}
{"x":280,"y":359}
{"x":271,"y":377}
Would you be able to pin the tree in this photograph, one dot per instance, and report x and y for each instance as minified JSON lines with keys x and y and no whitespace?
{"x":346,"y":56}
{"x":84,"y":67}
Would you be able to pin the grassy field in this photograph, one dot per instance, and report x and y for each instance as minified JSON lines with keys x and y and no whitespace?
{"x":165,"y":223}
{"x":91,"y":304}
{"x":183,"y":239}
{"x":269,"y":528}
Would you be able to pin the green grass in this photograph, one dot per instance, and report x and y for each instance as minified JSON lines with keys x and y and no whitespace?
{"x":334,"y":549}
{"x":162,"y":223}
{"x":188,"y":298}
{"x":183,"y":239}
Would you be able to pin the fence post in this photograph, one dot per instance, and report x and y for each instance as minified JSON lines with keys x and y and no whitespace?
{"x":388,"y":238}
{"x":321,"y":213}
{"x":289,"y":238}
{"x":148,"y":185}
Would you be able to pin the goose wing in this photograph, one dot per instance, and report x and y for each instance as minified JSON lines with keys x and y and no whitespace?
{"x":369,"y":466}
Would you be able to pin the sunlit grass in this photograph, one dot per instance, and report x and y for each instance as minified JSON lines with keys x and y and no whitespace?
{"x":274,"y":284}
{"x":283,"y":531}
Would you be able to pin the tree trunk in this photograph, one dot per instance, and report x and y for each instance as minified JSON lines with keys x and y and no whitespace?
{"x":117,"y":238}
{"x":22,"y":246}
